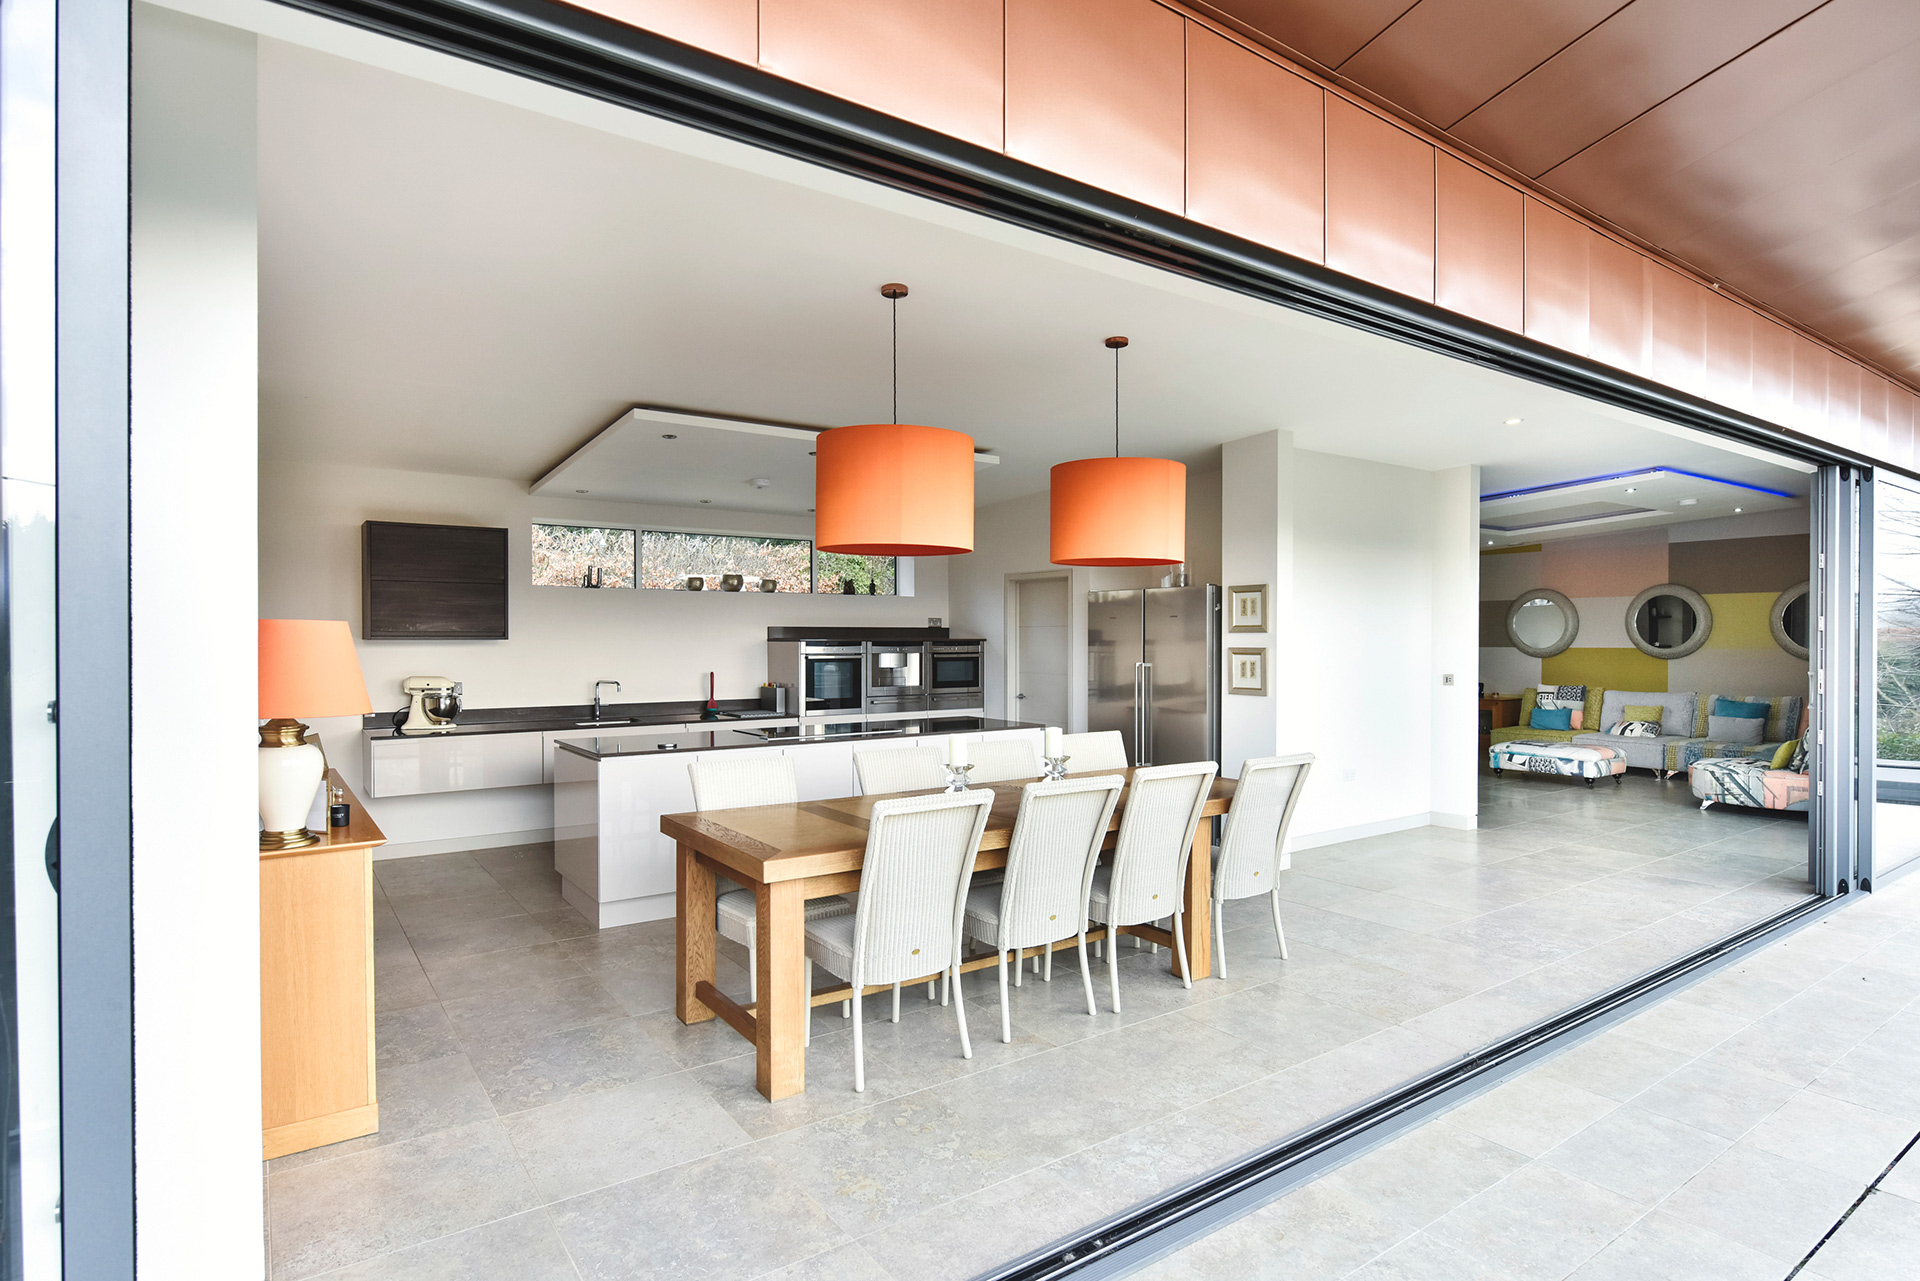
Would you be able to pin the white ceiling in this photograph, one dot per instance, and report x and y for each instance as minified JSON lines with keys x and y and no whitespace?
{"x":453,"y":283}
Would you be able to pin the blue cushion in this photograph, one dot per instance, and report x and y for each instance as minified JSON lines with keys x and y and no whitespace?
{"x":1745,"y":711}
{"x":1552,"y":718}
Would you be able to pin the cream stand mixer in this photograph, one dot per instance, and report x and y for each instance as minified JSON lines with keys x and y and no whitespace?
{"x":435,"y":702}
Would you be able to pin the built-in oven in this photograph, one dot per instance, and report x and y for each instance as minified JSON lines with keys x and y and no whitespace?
{"x":831,"y":674}
{"x":896,"y":676}
{"x":955,"y":668}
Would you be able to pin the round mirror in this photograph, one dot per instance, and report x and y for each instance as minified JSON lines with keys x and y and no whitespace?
{"x":1790,"y":619}
{"x":1542,"y":622}
{"x":1669,"y":621}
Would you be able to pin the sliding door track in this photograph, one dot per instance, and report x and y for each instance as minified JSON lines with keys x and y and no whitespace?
{"x":1160,"y":1227}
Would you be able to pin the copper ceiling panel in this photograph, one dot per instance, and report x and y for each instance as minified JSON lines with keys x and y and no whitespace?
{"x":1678,"y":329}
{"x":1256,"y":147}
{"x":1772,"y":369}
{"x":877,"y":53}
{"x":1443,"y":58}
{"x":730,"y":28}
{"x":1730,"y":344}
{"x":1618,"y":316}
{"x":1379,"y":200}
{"x":1479,"y":245}
{"x":1096,"y":90}
{"x":1556,"y":277}
{"x":1642,"y":55}
{"x":1327,"y":31}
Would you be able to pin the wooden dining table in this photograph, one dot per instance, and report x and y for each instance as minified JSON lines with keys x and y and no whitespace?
{"x":787,"y":854}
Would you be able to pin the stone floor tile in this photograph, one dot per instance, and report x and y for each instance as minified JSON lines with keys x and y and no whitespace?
{"x":1422,"y":1257}
{"x":842,"y":1263}
{"x":1769,"y":1203}
{"x":522,"y":1013}
{"x":485,"y":973}
{"x":1716,"y":1097}
{"x":483,"y":905}
{"x":1314,"y":1231}
{"x":1683,"y":1025}
{"x":531,"y":1072}
{"x":522,"y":1248}
{"x":1880,"y":1240}
{"x":1639,"y":1154}
{"x":1834,"y":1135}
{"x":430,"y":876}
{"x":411,"y":1034}
{"x":1661,"y":1247}
{"x":1142,"y":1163}
{"x":945,"y":1243}
{"x":1531,"y":1114}
{"x":1614,"y":1066}
{"x":740,"y":1214}
{"x":470,"y":938}
{"x":415,"y":1099}
{"x":1426,"y":1173}
{"x":401,"y":983}
{"x":1539,"y":1222}
{"x":1904,"y":1178}
{"x":333,"y":1213}
{"x":592,"y":1140}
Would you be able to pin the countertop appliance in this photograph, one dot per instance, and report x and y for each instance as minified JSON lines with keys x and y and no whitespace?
{"x":896,"y":680}
{"x":435,"y":702}
{"x":1153,"y":671}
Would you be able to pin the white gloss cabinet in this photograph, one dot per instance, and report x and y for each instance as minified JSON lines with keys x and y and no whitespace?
{"x":452,"y":763}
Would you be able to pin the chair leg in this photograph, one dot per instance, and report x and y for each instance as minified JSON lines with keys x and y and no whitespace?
{"x":1019,"y":965}
{"x":946,"y":988}
{"x":859,"y":1046}
{"x":1220,"y":943}
{"x":933,"y":990}
{"x":1086,"y":977}
{"x":846,"y":1009}
{"x":1113,"y":970}
{"x":1279,"y":930}
{"x":896,"y":1002}
{"x":960,"y":1016}
{"x":1046,"y":972}
{"x":1006,"y":1017}
{"x":1180,"y":947}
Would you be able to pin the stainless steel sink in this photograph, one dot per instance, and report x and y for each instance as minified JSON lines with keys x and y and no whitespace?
{"x":598,"y":724}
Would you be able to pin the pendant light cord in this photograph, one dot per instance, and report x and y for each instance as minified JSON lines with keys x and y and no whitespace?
{"x":896,"y":358}
{"x":1116,"y":402}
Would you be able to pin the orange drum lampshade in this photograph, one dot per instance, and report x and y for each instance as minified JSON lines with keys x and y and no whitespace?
{"x":1119,"y":511}
{"x":893,"y":489}
{"x":308,"y":667}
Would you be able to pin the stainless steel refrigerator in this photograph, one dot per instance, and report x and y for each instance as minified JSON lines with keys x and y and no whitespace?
{"x":1153,"y":671}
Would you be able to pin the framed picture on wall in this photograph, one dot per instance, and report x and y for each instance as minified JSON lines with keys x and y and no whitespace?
{"x":1247,"y":671}
{"x":1247,"y":609}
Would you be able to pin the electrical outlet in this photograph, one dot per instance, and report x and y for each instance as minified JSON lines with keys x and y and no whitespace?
{"x":933,"y":622}
{"x":1447,"y":678}
{"x":1347,"y":775}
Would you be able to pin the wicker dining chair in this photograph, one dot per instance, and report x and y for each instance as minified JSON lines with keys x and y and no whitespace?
{"x":899,"y":769}
{"x":1056,"y":839}
{"x":1003,"y":760}
{"x":1253,"y":848}
{"x":1147,"y":878}
{"x":735,"y":780}
{"x":1101,"y":750}
{"x":913,"y":893}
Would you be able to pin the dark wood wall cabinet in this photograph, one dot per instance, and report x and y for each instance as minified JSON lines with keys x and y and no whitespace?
{"x":440,"y":582}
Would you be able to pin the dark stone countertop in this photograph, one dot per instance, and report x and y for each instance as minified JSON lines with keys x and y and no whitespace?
{"x":608,"y":746}
{"x":524,"y":720}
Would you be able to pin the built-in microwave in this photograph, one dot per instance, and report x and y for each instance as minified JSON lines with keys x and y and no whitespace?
{"x":832,"y":677}
{"x":956,"y":667}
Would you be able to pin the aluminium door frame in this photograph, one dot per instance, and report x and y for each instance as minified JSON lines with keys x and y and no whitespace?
{"x":585,"y":53}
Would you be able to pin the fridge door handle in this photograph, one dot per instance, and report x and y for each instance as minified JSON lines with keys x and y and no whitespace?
{"x":1139,"y":721}
{"x":1146,"y":714}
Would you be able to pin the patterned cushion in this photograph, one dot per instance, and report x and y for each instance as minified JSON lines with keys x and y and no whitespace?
{"x":1573,"y":698}
{"x":1798,"y":764}
{"x":1636,"y":729}
{"x":1676,"y":709}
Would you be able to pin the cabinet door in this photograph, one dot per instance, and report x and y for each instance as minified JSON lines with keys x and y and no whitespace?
{"x":454,"y":763}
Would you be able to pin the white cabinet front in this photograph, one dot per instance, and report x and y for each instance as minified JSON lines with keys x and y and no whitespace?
{"x":454,"y":763}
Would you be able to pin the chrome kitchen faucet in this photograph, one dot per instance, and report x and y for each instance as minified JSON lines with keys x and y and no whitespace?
{"x":596,"y":695}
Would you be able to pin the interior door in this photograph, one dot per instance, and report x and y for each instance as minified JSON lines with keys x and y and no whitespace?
{"x":1179,"y":655}
{"x":1040,"y":692}
{"x":1113,"y":664}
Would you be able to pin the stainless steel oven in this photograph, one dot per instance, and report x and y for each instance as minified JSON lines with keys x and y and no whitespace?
{"x":955,"y":668}
{"x":896,"y":677}
{"x":831,"y":674}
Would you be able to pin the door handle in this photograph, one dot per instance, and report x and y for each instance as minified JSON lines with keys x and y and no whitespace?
{"x":1146,"y":714}
{"x":1019,"y":695}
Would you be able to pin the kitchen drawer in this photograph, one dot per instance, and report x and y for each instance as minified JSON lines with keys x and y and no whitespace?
{"x":461,"y":763}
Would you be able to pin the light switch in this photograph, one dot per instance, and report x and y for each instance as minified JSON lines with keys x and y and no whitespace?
{"x":1447,"y":678}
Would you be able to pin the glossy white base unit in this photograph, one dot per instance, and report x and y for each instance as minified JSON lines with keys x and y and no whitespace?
{"x":451,"y":763}
{"x":616,"y":867}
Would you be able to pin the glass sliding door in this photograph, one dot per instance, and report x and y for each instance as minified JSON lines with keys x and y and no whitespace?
{"x":1896,"y":674}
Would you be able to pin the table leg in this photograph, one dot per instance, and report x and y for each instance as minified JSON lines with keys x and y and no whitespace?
{"x":692,"y":936}
{"x":1196,"y":919}
{"x":781,"y":1048}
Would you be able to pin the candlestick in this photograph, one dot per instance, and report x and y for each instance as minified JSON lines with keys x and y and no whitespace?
{"x":1056,"y":766}
{"x":957,"y":777}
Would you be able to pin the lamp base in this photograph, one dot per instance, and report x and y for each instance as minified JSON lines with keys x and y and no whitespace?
{"x":290,"y":774}
{"x":272,"y":842}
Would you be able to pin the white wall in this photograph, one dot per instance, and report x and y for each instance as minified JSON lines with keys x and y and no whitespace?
{"x":1256,"y":546}
{"x":660,"y":645}
{"x":1455,"y":546}
{"x":196,"y":885}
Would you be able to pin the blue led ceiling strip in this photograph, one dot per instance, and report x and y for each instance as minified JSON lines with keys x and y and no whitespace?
{"x":1630,"y":475}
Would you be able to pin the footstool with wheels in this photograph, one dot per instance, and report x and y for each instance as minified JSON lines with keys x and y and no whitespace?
{"x":1566,"y":760}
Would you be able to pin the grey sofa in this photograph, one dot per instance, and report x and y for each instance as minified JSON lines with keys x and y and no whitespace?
{"x":1677,"y":713}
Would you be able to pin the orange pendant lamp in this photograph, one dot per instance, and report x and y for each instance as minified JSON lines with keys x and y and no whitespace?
{"x":1119,"y":511}
{"x":894,"y":489}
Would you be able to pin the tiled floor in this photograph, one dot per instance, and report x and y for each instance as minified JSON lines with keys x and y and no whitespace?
{"x":544,"y":1115}
{"x":1718,"y":1137}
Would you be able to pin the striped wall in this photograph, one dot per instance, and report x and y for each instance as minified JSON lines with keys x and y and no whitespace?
{"x":1740,"y":575}
{"x":1157,"y":103}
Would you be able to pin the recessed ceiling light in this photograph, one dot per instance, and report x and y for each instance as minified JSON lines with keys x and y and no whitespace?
{"x":1689,"y":502}
{"x":667,"y":435}
{"x":1736,"y":511}
{"x":1515,"y":422}
{"x":1632,"y":489}
{"x":706,"y":500}
{"x":579,"y":491}
{"x":1489,"y":542}
{"x":809,"y":509}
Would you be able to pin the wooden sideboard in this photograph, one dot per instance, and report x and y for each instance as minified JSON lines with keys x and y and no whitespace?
{"x":1496,"y":712}
{"x":316,"y":988}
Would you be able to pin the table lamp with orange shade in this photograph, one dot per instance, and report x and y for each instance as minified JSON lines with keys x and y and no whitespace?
{"x":308,"y":667}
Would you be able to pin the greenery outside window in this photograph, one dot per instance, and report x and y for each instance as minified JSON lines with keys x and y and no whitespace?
{"x":668,"y":559}
{"x":582,"y":556}
{"x":841,"y":573}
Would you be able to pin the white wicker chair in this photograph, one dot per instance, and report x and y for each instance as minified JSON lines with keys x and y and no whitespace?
{"x":1056,"y":840}
{"x":913,"y":893}
{"x":899,"y":769}
{"x":1087,"y":752}
{"x":727,"y":781}
{"x":1147,"y":878}
{"x":1003,"y":760}
{"x":1253,"y":848}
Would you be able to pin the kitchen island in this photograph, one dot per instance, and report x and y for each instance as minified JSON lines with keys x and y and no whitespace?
{"x":610,"y":790}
